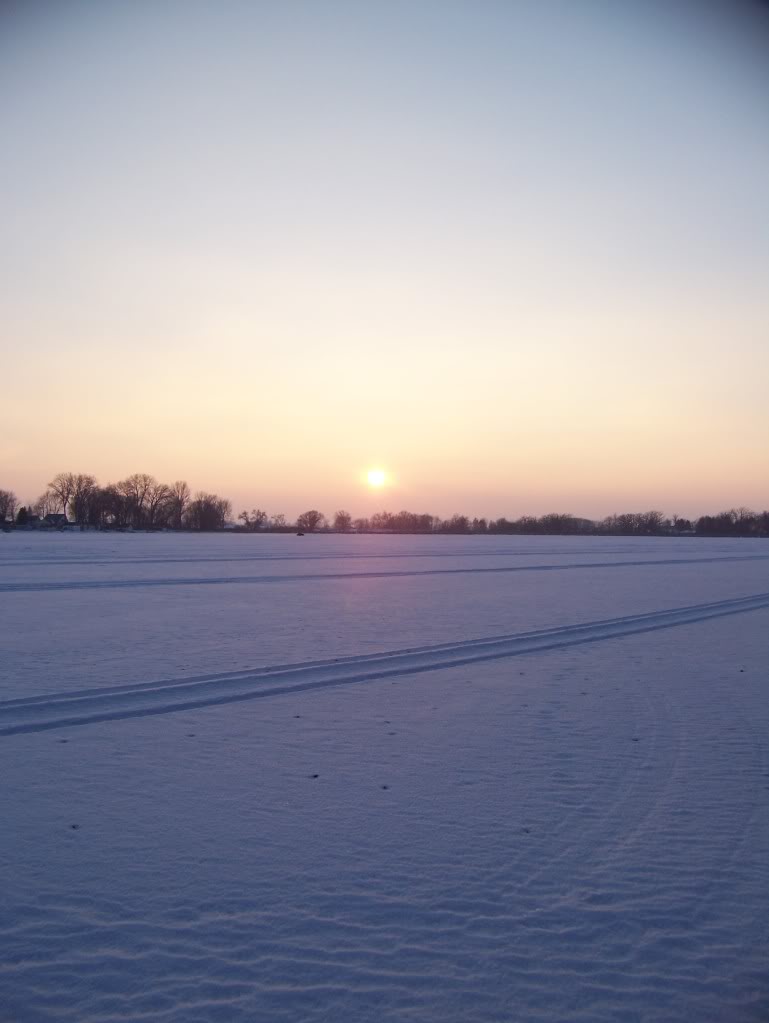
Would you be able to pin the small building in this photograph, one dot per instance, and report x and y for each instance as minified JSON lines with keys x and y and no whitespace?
{"x":55,"y":520}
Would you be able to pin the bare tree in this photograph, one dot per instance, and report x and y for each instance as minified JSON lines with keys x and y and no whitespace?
{"x":342,"y":521}
{"x":115,"y":505}
{"x":743,"y":518}
{"x":179,"y":499}
{"x":253,"y":520}
{"x":382,"y":520}
{"x":83,"y":489}
{"x":456,"y":524}
{"x":63,"y":486}
{"x":46,"y":504}
{"x":279,"y":521}
{"x":135,"y":489}
{"x":100,"y":506}
{"x":158,"y":500}
{"x":208,"y":511}
{"x":8,"y":505}
{"x":311,"y":520}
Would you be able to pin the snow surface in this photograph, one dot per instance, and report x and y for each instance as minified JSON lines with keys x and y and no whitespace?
{"x":265,"y":778}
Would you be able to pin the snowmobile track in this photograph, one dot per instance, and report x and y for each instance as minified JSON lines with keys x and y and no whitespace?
{"x":42,"y":712}
{"x":121,"y":584}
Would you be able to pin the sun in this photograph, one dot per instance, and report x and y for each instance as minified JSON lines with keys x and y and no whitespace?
{"x":376,"y":478}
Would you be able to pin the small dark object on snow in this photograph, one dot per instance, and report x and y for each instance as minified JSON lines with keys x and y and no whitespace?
{"x":75,"y":827}
{"x":300,"y":534}
{"x":315,"y":776}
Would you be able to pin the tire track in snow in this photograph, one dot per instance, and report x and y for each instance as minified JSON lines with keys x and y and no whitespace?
{"x":88,"y":706}
{"x":61,"y":561}
{"x":119,"y":584}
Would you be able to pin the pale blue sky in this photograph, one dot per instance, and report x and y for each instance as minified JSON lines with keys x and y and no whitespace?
{"x":517,"y":253}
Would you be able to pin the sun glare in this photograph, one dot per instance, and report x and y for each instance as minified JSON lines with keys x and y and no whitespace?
{"x":376,"y":478}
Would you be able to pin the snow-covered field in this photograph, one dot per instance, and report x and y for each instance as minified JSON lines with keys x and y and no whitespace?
{"x":268,"y":778}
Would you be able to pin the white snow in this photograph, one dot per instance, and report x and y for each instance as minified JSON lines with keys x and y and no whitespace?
{"x":266,"y":778}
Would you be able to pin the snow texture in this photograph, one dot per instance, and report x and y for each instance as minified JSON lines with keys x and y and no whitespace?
{"x":271,"y":778}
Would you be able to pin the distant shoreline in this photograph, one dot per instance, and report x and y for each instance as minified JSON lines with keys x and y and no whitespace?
{"x":141,"y":502}
{"x":9,"y":528}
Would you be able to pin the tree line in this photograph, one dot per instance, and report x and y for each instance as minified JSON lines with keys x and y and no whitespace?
{"x":141,"y":502}
{"x":138,"y":502}
{"x":736,"y":522}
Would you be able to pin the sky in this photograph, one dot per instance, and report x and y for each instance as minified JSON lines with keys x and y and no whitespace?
{"x":515,"y":254}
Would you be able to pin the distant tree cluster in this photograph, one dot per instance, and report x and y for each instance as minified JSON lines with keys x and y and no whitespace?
{"x":138,"y":502}
{"x":311,"y":520}
{"x":738,"y":522}
{"x":8,"y":505}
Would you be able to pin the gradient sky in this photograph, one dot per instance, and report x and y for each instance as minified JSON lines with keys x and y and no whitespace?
{"x":515,"y":253}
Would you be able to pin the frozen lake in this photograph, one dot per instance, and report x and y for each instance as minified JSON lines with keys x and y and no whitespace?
{"x":269,"y":778}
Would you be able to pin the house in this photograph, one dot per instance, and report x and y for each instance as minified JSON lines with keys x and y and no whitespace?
{"x":55,"y":521}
